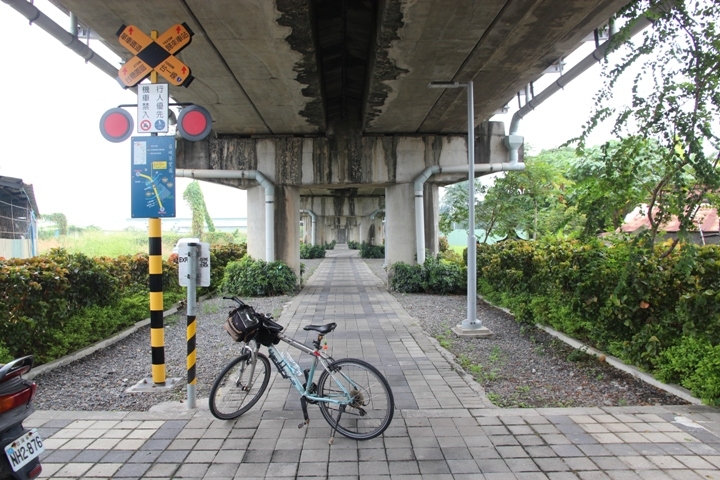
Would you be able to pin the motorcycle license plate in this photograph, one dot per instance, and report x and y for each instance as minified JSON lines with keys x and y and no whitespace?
{"x":24,"y":449}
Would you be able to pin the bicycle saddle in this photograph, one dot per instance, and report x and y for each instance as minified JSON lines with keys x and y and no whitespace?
{"x":321,"y":329}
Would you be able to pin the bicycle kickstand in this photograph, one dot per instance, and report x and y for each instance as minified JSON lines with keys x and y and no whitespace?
{"x":303,"y":404}
{"x":337,"y":422}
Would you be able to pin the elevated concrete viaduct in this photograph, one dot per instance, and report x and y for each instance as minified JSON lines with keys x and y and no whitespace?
{"x":328,"y":99}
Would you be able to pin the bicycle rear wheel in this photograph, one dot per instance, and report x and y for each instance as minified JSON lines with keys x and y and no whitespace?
{"x":234,"y":392}
{"x":365,"y":395}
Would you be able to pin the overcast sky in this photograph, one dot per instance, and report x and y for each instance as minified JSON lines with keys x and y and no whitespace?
{"x":53,"y":102}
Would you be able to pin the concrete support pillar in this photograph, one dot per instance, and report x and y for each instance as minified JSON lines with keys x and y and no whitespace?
{"x":431,"y":209}
{"x":365,"y":223}
{"x":400,"y":221}
{"x":256,"y":222}
{"x":287,"y":225}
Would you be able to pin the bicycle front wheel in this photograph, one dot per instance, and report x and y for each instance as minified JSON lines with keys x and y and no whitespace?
{"x":234,"y":391}
{"x":364,"y":397}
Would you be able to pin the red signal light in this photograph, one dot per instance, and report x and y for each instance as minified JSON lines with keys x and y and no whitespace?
{"x":116,"y":125}
{"x":194,"y":123}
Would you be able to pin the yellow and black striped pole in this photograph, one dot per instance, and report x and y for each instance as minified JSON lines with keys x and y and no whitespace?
{"x":157,"y":329}
{"x":193,"y":255}
{"x":157,"y":332}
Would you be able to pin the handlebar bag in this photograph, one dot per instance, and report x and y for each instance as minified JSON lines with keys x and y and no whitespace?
{"x":241,"y":323}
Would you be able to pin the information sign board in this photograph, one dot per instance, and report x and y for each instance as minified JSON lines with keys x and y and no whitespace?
{"x":152,"y":177}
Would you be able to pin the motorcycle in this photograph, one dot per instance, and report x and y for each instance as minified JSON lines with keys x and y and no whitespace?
{"x":22,"y":447}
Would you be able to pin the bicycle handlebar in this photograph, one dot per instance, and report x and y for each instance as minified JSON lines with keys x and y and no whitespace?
{"x":235,"y":299}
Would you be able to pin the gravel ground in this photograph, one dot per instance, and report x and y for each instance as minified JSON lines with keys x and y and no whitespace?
{"x":523,"y":366}
{"x":518,"y":367}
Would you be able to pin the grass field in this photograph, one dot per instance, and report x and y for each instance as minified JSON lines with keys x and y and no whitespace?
{"x":110,"y":244}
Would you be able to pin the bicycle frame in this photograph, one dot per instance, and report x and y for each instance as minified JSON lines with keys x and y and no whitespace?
{"x":319,"y":357}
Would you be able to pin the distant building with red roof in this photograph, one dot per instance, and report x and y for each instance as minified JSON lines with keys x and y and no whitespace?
{"x":706,"y":221}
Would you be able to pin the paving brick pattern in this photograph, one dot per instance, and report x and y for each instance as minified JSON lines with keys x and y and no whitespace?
{"x":444,"y":427}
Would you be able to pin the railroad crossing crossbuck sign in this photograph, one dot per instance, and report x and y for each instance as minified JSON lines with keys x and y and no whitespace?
{"x":155,"y":54}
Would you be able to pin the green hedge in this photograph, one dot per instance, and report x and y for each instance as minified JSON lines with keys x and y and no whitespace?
{"x":434,"y":276}
{"x":371,"y":251}
{"x":640,"y":306}
{"x":56,"y":303}
{"x":311,"y":251}
{"x":257,"y":278}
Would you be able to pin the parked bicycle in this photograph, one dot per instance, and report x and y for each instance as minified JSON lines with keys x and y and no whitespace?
{"x":353,"y":396}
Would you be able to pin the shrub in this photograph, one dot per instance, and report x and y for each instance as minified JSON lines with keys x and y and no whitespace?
{"x":353,"y":245}
{"x":435,"y":276}
{"x":372,"y":251}
{"x":311,"y":251}
{"x":405,"y":278}
{"x":330,"y":246}
{"x":257,"y":278}
{"x":443,"y":244}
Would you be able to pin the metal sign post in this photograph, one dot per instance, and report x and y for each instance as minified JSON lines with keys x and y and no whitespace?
{"x":193,"y":272}
{"x":192,"y":253}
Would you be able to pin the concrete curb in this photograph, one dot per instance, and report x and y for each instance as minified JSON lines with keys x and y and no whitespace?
{"x":676,"y":390}
{"x":72,"y":357}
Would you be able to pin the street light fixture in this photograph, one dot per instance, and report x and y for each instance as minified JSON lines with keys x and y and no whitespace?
{"x":471,"y":326}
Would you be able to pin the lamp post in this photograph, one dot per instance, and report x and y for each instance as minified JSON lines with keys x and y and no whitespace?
{"x":471,"y":326}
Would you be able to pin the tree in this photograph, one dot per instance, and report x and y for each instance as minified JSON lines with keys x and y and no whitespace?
{"x":612,"y":180}
{"x":60,"y":221}
{"x":675,"y":102}
{"x":454,"y":206}
{"x":194,"y":197}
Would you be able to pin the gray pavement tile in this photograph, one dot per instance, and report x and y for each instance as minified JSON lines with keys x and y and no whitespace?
{"x":200,"y":456}
{"x":687,"y":474}
{"x":89,"y":456}
{"x":144,"y":456}
{"x":594,"y":450}
{"x":116,"y":456}
{"x":543,"y":451}
{"x":286,"y":456}
{"x":580,"y":463}
{"x":161,"y":470}
{"x":511,"y":452}
{"x":623,"y":475}
{"x":530,"y":476}
{"x":373,"y":454}
{"x":192,"y":470}
{"x":561,"y":476}
{"x":404,"y":467}
{"x":450,"y":442}
{"x":229,"y":456}
{"x":249,"y":470}
{"x":373,"y":469}
{"x":458,"y":467}
{"x":344,"y":469}
{"x":60,"y":456}
{"x":551,"y":464}
{"x":429,"y":467}
{"x":257,"y":456}
{"x":312,"y":469}
{"x":521,"y":465}
{"x":596,"y":475}
{"x":489,"y":465}
{"x":502,"y":440}
{"x":219,"y":470}
{"x":397,"y":454}
{"x":172,"y":456}
{"x":156,"y":444}
{"x":457,"y":453}
{"x":609,"y":463}
{"x":132,"y":470}
{"x":567,"y":451}
{"x":343,"y":455}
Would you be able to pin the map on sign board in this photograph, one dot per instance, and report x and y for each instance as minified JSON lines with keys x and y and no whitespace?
{"x":152,"y":192}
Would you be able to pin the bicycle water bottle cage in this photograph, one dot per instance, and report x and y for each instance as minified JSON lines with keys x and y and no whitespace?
{"x":321,"y":329}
